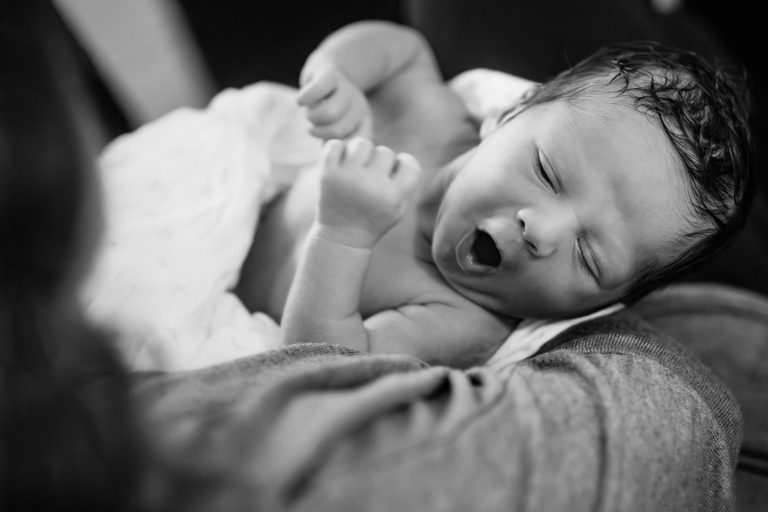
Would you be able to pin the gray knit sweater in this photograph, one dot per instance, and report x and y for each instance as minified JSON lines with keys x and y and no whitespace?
{"x":610,"y":416}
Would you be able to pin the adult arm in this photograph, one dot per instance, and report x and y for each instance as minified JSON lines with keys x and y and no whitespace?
{"x":566,"y":432}
{"x":613,"y":419}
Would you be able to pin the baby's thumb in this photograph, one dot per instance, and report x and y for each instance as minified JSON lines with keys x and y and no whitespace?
{"x":407,"y":171}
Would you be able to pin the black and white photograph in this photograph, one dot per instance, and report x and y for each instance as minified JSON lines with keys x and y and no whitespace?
{"x":384,"y":256}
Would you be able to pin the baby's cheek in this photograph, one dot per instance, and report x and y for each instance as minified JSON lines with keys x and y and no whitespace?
{"x":544,"y":291}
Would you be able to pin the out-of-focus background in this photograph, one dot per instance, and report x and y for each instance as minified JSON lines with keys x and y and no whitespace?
{"x":152,"y":56}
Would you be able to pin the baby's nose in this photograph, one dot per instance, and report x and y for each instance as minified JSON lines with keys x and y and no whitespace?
{"x":544,"y":230}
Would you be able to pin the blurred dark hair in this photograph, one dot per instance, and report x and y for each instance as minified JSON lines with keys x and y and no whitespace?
{"x":67,"y":440}
{"x":704,"y":110}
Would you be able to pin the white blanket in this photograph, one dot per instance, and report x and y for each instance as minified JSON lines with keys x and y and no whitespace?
{"x":181,"y":201}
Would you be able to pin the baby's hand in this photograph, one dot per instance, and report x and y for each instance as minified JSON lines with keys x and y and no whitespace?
{"x":336,"y":107}
{"x":364,"y":191}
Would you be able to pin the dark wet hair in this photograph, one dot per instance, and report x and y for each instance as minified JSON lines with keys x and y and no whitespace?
{"x":704,"y":110}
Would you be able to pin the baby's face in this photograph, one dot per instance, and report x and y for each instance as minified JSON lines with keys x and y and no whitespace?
{"x":555,"y":212}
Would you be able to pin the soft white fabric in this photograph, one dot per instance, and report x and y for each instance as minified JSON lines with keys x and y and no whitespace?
{"x":182,"y":197}
{"x":530,"y":335}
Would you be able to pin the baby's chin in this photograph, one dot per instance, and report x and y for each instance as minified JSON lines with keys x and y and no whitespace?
{"x":476,"y":289}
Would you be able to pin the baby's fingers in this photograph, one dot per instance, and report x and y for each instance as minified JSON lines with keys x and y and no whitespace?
{"x":330,"y":110}
{"x":402,"y":168}
{"x":384,"y":160}
{"x":358,"y":152}
{"x":406,"y":172}
{"x":333,"y":152}
{"x":319,"y":87}
{"x":344,"y":128}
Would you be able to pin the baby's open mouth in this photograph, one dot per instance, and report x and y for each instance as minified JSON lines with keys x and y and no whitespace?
{"x":478,"y":253}
{"x":485,"y":250}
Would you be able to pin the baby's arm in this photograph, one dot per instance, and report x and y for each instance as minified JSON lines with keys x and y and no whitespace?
{"x":358,"y":59}
{"x":363,"y":193}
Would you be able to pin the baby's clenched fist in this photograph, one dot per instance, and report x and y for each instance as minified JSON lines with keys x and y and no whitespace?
{"x":364,"y":190}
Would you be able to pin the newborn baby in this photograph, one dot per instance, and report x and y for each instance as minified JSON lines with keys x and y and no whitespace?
{"x":422,"y":236}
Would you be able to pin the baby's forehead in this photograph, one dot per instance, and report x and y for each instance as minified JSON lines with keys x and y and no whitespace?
{"x":626,"y":165}
{"x":606,"y":118}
